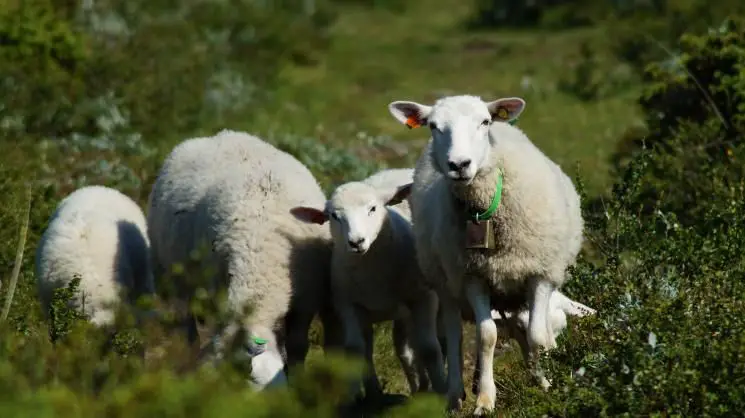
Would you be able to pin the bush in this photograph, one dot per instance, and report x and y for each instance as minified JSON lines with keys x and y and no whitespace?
{"x":670,"y":329}
{"x":214,"y":57}
{"x":694,"y":109}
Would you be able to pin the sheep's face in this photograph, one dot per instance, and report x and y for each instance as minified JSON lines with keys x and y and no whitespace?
{"x":357,"y":213}
{"x":460,"y":129}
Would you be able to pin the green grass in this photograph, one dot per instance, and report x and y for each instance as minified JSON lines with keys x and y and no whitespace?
{"x":379,"y":56}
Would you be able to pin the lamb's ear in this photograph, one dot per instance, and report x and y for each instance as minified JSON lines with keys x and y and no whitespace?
{"x":309,"y":215}
{"x":401,"y":193}
{"x":506,"y":109}
{"x":412,"y":114}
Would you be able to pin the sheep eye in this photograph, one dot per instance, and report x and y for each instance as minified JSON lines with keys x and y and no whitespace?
{"x":485,"y":122}
{"x":372,"y":209}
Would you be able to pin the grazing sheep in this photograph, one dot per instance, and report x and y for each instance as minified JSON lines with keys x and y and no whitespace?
{"x":496,"y":222}
{"x":375,"y":276}
{"x":98,"y":234}
{"x":230,"y":193}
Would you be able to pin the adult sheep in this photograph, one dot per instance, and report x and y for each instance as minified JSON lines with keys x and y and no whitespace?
{"x":496,"y":222}
{"x":229,"y":194}
{"x":99,"y":235}
{"x":375,"y":276}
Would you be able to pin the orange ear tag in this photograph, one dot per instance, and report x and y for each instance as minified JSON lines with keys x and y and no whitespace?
{"x":412,"y":122}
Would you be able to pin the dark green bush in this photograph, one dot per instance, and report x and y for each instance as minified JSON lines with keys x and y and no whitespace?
{"x":172,"y":67}
{"x":669,"y":336}
{"x":694,"y":114}
{"x":641,"y":35}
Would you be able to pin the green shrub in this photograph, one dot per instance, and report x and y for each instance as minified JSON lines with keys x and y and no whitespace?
{"x":669,"y":336}
{"x":694,"y":109}
{"x":173,"y":67}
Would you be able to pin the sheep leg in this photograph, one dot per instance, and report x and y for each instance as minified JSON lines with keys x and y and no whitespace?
{"x":486,"y":341}
{"x":421,"y":369}
{"x":297,"y":325}
{"x":354,"y":341}
{"x":371,"y":383}
{"x":424,"y":319}
{"x":405,"y":354}
{"x":475,"y":387}
{"x":539,"y":330}
{"x":529,"y":356}
{"x":333,"y":332}
{"x":442,"y":340}
{"x":452,"y":325}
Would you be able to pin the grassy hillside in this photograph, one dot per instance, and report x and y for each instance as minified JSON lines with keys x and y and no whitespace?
{"x":101,"y":95}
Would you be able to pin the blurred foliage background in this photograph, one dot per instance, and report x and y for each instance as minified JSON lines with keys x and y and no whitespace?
{"x":642,"y":100}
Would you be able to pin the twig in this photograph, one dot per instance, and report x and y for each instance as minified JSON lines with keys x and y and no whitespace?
{"x":17,"y":265}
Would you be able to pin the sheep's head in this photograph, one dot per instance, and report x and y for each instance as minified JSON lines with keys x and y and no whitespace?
{"x":460,"y":129}
{"x":358,"y":212}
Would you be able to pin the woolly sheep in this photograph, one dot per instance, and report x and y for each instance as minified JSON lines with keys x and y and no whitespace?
{"x":537,"y":226}
{"x":98,"y":234}
{"x":375,"y":276}
{"x":232,"y":190}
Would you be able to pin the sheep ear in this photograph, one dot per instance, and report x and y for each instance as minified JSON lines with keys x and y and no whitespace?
{"x":506,"y":109}
{"x":412,"y":114}
{"x":309,"y":215}
{"x":402,"y":192}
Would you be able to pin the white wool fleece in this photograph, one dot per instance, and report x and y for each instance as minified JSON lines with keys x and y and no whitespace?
{"x":232,"y":191}
{"x":100,"y":235}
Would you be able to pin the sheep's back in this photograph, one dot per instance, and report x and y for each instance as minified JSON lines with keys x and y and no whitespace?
{"x":98,"y":234}
{"x":240,"y":207}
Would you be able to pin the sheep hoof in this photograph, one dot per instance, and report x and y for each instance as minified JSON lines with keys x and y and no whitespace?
{"x":486,"y":400}
{"x":455,"y":404}
{"x":484,"y":404}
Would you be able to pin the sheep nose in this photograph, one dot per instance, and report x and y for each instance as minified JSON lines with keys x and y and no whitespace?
{"x":459,"y":166}
{"x":355,"y":243}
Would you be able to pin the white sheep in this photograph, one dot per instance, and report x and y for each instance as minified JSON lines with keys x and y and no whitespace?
{"x":230,"y":193}
{"x":99,"y":235}
{"x":375,"y":275}
{"x":529,"y":228}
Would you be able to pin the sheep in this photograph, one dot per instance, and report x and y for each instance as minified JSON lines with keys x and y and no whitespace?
{"x":99,"y":235}
{"x":230,"y":193}
{"x":496,"y":223}
{"x":375,"y":276}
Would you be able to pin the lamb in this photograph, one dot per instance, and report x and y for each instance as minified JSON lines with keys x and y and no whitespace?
{"x":99,"y":235}
{"x":230,"y":193}
{"x":375,"y":276}
{"x":496,"y":223}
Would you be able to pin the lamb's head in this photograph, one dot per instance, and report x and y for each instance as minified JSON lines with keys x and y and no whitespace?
{"x":460,"y":129}
{"x":358,"y":212}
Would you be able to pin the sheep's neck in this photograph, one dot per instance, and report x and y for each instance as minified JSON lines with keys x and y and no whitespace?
{"x":478,"y":195}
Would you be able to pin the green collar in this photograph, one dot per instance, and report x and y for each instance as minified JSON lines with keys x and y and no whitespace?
{"x":259,"y":341}
{"x":494,"y":202}
{"x":497,"y":194}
